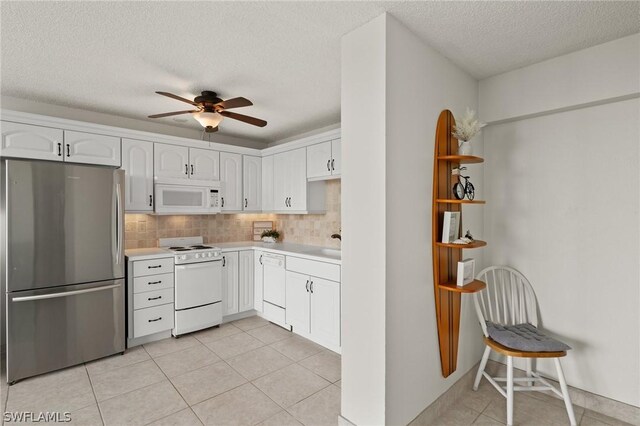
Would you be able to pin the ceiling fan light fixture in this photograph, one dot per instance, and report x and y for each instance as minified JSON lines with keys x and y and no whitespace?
{"x":208,"y":118}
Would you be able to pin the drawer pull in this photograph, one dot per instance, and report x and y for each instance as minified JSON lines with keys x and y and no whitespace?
{"x":154,"y":298}
{"x":154,"y":282}
{"x":154,"y":267}
{"x":154,"y":320}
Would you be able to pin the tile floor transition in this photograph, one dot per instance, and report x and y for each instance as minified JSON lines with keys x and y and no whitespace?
{"x":246,"y":372}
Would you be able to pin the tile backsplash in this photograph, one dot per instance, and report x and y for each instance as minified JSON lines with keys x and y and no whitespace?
{"x":143,"y":230}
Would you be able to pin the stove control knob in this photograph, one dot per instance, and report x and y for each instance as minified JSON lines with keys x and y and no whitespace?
{"x":197,"y":255}
{"x":183,"y":257}
{"x":209,"y":254}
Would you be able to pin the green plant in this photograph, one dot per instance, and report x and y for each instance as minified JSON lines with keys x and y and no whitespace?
{"x":270,"y":233}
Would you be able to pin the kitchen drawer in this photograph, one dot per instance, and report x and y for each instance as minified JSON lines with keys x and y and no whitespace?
{"x":152,"y":298}
{"x":152,"y":283}
{"x":329,"y":271}
{"x":152,"y":267}
{"x":152,"y":320}
{"x":274,"y":313}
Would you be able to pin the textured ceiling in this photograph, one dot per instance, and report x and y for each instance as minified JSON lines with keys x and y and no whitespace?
{"x":285,"y":56}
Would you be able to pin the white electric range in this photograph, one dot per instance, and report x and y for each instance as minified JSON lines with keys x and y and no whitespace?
{"x":198,"y":283}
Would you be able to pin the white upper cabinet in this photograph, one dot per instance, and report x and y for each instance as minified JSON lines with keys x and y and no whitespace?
{"x":246,"y":281}
{"x":88,"y":148}
{"x":26,"y":141}
{"x":319,"y":160}
{"x":252,"y":182}
{"x":171,"y":161}
{"x":290,"y":180}
{"x":230,"y":282}
{"x":231,"y":181}
{"x":336,"y":157}
{"x":324,"y":160}
{"x":137,"y":162}
{"x":267,"y":183}
{"x":204,"y":164}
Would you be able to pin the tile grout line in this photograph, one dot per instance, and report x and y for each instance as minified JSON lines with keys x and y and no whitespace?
{"x":94,"y":393}
{"x":171,"y":383}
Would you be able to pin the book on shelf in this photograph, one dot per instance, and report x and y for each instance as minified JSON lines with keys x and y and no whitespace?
{"x":450,"y":227}
{"x":466,"y":272}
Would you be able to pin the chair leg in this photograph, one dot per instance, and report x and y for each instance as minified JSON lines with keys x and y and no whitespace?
{"x":483,"y":365}
{"x":529,"y":370}
{"x":509,"y":390}
{"x":565,"y":392}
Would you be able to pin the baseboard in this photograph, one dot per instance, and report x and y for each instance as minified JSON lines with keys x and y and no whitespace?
{"x":446,"y":400}
{"x":590,"y":401}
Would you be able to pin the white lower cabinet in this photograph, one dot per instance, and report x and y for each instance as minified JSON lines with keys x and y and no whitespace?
{"x":245,"y":281}
{"x":230,"y":280}
{"x":150,"y":296}
{"x":313,"y":305}
{"x":237,"y":282}
{"x":258,"y":280}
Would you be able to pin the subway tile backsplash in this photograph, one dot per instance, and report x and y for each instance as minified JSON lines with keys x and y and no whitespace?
{"x":143,"y":230}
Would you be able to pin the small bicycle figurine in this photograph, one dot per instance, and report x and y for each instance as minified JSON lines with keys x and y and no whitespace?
{"x":460,"y":189}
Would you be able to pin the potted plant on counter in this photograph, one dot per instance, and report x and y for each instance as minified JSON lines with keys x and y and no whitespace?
{"x":270,"y":236}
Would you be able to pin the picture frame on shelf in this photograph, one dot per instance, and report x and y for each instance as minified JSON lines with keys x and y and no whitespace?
{"x":450,"y":227}
{"x":466,"y":272}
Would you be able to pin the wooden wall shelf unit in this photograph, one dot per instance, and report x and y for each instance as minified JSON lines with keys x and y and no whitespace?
{"x":446,"y":256}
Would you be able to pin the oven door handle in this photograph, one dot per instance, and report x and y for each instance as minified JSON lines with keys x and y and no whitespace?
{"x":199,"y":265}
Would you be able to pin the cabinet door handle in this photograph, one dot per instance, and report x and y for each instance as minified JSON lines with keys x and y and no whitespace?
{"x":186,"y":169}
{"x":150,"y":200}
{"x":328,"y":162}
{"x":224,"y":261}
{"x":311,"y":286}
{"x":192,"y":169}
{"x":260,"y":260}
{"x":333,"y":161}
{"x":246,"y":203}
{"x":307,"y":286}
{"x":154,"y":282}
{"x":68,"y":150}
{"x":154,"y":298}
{"x":222,"y":198}
{"x":154,"y":267}
{"x":154,"y":320}
{"x":59,"y":149}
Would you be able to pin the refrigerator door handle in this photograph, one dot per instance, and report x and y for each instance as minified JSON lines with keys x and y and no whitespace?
{"x":64,"y":294}
{"x":118,"y":224}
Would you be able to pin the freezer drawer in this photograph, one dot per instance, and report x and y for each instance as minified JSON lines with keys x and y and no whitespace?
{"x":49,"y":329}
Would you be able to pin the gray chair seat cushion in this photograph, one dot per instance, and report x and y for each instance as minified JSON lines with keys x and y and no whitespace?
{"x":524,"y":337}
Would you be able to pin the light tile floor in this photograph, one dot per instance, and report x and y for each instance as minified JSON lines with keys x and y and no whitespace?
{"x":487,"y":407}
{"x":243,"y":373}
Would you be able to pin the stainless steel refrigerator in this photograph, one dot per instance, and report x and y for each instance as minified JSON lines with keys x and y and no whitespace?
{"x":62,"y":264}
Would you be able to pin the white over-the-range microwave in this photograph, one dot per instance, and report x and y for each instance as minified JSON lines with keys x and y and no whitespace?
{"x":177,"y":196}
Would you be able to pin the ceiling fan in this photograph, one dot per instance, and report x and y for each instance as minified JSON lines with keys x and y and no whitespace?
{"x":210,"y":110}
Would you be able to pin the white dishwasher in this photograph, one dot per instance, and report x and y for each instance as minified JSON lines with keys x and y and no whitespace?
{"x":274,"y":277}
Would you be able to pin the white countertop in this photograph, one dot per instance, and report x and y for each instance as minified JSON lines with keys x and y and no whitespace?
{"x":322,"y":254}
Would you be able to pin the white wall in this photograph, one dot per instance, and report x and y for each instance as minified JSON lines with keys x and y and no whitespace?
{"x":24,"y":105}
{"x":393,"y":89}
{"x":420,"y":83}
{"x":563,"y":208}
{"x":363,"y":224}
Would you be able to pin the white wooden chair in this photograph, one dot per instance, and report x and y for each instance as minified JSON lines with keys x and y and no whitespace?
{"x":509,"y":300}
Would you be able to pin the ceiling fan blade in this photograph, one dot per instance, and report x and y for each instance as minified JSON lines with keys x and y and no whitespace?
{"x":244,"y":118}
{"x":167,"y":114}
{"x":176,"y":97}
{"x":235,"y":103}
